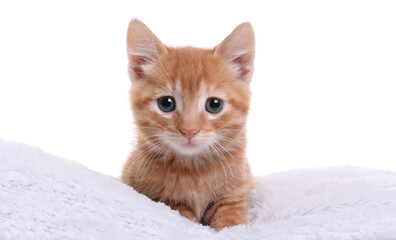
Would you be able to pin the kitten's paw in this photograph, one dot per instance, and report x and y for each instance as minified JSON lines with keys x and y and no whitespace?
{"x":188,"y":214}
{"x":184,"y":210}
{"x":226,"y":213}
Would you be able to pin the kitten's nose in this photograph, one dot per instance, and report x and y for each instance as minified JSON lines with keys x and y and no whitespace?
{"x":189,"y":133}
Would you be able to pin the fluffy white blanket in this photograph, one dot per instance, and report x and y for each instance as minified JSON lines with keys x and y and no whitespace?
{"x":46,"y":197}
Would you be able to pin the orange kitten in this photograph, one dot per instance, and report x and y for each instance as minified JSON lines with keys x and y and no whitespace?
{"x":190,"y":106}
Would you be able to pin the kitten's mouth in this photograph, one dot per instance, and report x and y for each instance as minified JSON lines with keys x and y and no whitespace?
{"x":189,"y":144}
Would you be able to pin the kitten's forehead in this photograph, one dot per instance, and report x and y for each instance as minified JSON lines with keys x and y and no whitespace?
{"x":184,"y":88}
{"x":190,"y":71}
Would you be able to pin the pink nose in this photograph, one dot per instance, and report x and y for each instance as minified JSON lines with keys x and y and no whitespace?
{"x":189,"y":133}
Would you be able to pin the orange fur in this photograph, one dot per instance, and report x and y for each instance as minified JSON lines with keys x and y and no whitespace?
{"x":207,"y":181}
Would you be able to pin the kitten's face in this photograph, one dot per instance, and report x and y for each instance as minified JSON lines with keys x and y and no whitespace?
{"x":187,"y":100}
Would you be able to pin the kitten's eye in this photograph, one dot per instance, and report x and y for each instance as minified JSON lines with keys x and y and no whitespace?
{"x":166,"y":104}
{"x":214,"y":105}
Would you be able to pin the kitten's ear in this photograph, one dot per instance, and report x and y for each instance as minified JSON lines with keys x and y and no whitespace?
{"x":238,"y":50}
{"x":143,"y":48}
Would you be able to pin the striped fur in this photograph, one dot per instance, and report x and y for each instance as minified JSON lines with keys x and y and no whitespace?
{"x":207,"y":181}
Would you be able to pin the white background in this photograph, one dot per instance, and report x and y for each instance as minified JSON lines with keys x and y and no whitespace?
{"x":324,"y":89}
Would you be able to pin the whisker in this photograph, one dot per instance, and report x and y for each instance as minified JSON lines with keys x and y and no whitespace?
{"x":153,"y":158}
{"x":227,"y":139}
{"x":236,"y":162}
{"x":143,"y":115}
{"x":145,"y":158}
{"x":225,"y":160}
{"x":221,"y":162}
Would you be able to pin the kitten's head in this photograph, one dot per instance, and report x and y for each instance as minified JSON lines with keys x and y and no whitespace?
{"x":188,"y":100}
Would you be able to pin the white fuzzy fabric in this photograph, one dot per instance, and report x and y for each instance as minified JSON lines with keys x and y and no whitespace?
{"x":45,"y":197}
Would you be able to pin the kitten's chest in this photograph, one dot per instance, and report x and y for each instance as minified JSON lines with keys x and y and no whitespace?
{"x":186,"y":184}
{"x":194,"y":188}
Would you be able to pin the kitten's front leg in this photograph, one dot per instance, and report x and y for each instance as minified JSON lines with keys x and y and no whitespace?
{"x":184,"y":210}
{"x":226,"y":212}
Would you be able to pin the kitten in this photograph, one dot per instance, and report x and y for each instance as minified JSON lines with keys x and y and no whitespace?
{"x":190,"y":106}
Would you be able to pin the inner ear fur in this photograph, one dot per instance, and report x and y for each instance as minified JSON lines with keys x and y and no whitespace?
{"x":238,"y":49}
{"x":143,"y":48}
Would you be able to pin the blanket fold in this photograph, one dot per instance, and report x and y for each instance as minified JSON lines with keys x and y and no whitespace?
{"x":47,"y":197}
